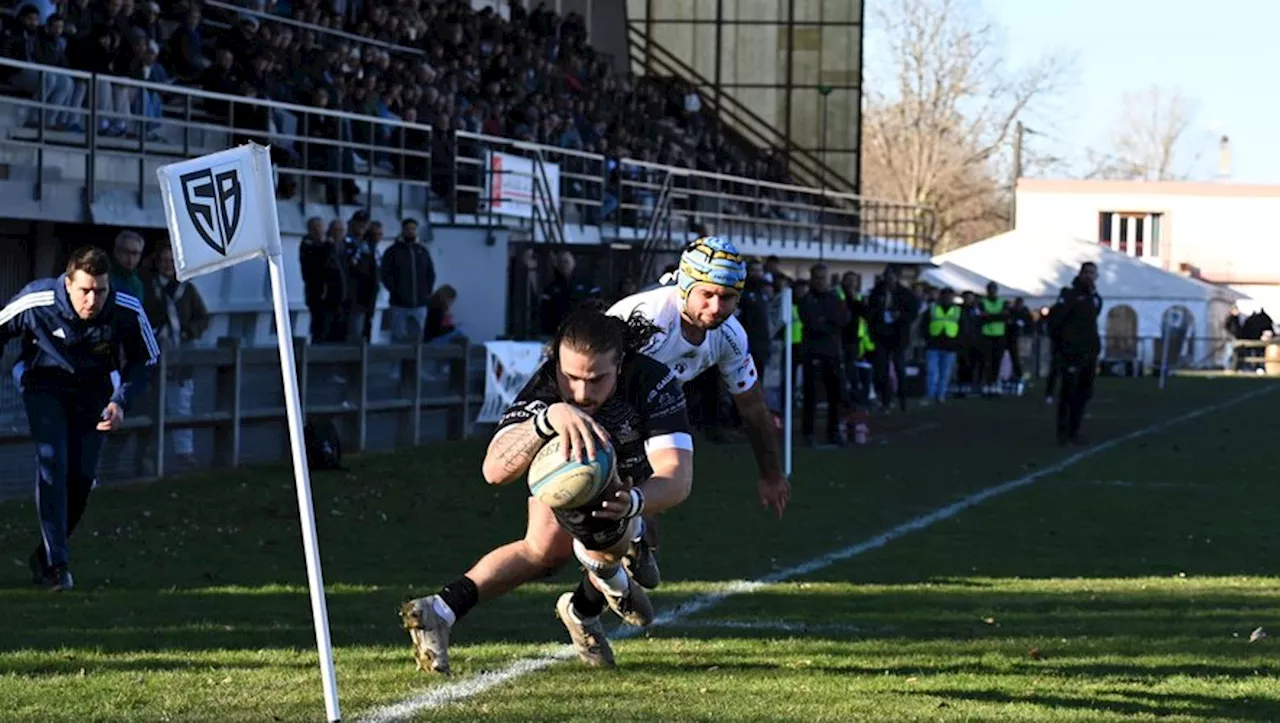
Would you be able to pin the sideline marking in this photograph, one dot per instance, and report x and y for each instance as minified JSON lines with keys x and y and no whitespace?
{"x":462,"y":690}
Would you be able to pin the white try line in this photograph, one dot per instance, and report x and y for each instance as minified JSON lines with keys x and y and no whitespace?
{"x":779,"y":626}
{"x":464,"y":689}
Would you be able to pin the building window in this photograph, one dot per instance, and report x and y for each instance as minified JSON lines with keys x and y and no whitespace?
{"x":1135,"y":233}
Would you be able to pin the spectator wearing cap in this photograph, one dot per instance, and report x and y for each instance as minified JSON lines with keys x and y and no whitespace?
{"x":361,"y":256}
{"x":409,"y":275}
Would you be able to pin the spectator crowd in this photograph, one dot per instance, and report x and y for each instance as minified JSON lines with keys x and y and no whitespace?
{"x":534,"y":77}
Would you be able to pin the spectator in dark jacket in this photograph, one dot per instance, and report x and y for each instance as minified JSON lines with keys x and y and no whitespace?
{"x":186,"y":49}
{"x":892,"y":309}
{"x":409,"y":275}
{"x":825,"y":316}
{"x":753,"y":314}
{"x":1074,"y":323}
{"x":324,"y":282}
{"x":565,"y":292}
{"x":361,"y":257}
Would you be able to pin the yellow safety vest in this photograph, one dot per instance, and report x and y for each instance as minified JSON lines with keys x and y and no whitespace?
{"x":797,"y":326}
{"x":866,"y":344}
{"x":945,"y":322}
{"x":993,"y":306}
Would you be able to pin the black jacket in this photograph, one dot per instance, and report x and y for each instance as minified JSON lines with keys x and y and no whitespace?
{"x":324,"y":277}
{"x":362,"y":269}
{"x":753,"y":314}
{"x":560,"y":297}
{"x":890,"y":313}
{"x":409,"y":274}
{"x":1073,"y":321}
{"x":825,"y":316}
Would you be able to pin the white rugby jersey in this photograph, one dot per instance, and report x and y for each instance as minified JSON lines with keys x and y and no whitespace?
{"x":724,"y":347}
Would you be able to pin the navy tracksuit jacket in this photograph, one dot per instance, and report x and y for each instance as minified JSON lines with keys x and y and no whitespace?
{"x":66,"y":385}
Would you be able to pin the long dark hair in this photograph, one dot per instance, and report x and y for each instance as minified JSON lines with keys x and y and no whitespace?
{"x":594,"y":332}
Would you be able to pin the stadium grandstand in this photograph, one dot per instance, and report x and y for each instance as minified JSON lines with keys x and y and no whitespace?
{"x":511,"y":130}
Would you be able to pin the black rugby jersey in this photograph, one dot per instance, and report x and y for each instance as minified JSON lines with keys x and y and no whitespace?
{"x":647,"y":411}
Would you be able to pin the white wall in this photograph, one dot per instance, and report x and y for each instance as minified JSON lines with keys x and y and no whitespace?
{"x":1228,"y":232}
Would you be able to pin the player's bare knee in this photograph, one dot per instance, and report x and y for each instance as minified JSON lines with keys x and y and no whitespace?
{"x":547,"y":555}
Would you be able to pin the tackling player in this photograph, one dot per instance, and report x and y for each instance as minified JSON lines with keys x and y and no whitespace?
{"x":594,"y":386}
{"x":696,"y":330}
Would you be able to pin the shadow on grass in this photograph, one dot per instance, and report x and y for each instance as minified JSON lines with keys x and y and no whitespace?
{"x":1146,"y":704}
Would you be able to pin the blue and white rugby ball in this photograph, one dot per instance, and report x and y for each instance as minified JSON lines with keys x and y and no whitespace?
{"x":566,"y":484}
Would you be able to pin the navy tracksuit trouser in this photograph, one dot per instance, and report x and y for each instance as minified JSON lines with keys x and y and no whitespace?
{"x":68,"y":445}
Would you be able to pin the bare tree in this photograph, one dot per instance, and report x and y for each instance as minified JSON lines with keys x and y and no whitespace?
{"x":940,"y":111}
{"x":1153,"y":138}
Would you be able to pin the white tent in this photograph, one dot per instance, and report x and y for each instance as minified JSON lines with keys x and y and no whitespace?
{"x":1136,"y":295}
{"x":960,"y":280}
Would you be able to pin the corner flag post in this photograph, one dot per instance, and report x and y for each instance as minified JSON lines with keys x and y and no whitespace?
{"x":788,"y":381}
{"x":221,"y":211}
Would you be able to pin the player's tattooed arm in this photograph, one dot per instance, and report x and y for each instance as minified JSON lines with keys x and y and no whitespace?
{"x":514,"y":445}
{"x":510,"y":453}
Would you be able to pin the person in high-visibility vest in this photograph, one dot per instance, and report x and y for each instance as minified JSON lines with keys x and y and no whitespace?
{"x":941,"y":330}
{"x":994,"y":318}
{"x":799,"y":289}
{"x":856,"y":338}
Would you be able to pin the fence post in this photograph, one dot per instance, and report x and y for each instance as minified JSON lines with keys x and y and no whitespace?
{"x":226,"y":396}
{"x":457,"y":413}
{"x":466,"y":389}
{"x":362,"y":421}
{"x":417,"y":393}
{"x":406,"y":372}
{"x":300,"y":347}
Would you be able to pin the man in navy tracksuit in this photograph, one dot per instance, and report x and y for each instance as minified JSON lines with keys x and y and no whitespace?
{"x":75,"y":331}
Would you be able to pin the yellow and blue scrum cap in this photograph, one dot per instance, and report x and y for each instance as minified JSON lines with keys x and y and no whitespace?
{"x":710,"y":260}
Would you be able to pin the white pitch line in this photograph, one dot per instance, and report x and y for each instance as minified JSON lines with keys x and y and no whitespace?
{"x":453,"y":692}
{"x":776,"y":626}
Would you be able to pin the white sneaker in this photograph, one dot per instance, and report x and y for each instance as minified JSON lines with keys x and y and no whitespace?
{"x":429,"y":633}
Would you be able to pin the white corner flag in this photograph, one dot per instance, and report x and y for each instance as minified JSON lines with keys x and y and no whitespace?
{"x":221,"y":211}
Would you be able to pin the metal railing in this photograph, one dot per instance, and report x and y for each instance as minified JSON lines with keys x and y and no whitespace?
{"x":393,"y":161}
{"x":379,"y":397}
{"x":187,"y":122}
{"x":740,"y":208}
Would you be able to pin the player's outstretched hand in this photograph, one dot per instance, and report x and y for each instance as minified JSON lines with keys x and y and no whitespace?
{"x":578,"y":428}
{"x":775,"y":492}
{"x":617,"y":503}
{"x":112,"y":418}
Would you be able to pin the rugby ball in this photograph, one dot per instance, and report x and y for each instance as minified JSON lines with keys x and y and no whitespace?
{"x":566,"y":484}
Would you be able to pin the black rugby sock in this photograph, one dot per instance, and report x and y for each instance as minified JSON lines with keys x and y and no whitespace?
{"x":588,"y":601}
{"x":460,"y":595}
